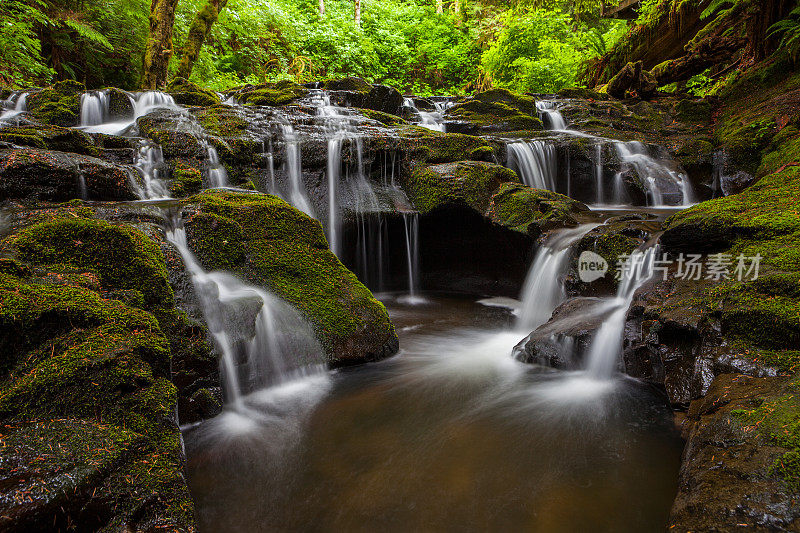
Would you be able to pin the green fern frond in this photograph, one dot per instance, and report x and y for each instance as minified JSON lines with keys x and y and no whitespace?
{"x":88,"y":33}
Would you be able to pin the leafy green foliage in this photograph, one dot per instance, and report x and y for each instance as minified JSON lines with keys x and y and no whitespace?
{"x":20,"y":50}
{"x":788,"y":30}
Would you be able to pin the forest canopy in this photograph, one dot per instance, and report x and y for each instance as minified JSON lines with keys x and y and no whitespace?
{"x":419,"y":46}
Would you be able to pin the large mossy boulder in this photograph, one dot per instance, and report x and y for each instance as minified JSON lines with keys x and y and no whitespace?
{"x":270,"y":243}
{"x":421,"y":145}
{"x":86,"y":402}
{"x":48,"y":137}
{"x":187,"y":93}
{"x":59,"y":105}
{"x":532,"y":211}
{"x":493,"y":111}
{"x":357,"y":92}
{"x":29,"y":174}
{"x":280,"y":93}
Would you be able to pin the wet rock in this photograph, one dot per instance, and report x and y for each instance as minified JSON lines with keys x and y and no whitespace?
{"x":187,"y":93}
{"x":632,"y":78}
{"x":496,"y":110}
{"x":57,"y":176}
{"x":47,"y":137}
{"x":356,"y":92}
{"x":270,"y":94}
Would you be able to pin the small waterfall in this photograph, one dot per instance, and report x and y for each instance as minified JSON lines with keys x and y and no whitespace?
{"x":94,"y":108}
{"x":606,"y":346}
{"x":149,"y":160}
{"x":653,"y":174}
{"x":12,"y":107}
{"x":282,"y":345}
{"x":411,"y":222}
{"x":84,"y":191}
{"x":598,"y":173}
{"x":535,"y":163}
{"x":297,"y":194}
{"x":217,"y":175}
{"x":543,"y":290}
{"x":550,"y":115}
{"x":432,"y":121}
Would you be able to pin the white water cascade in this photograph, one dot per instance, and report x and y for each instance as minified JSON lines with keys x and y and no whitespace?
{"x":411,"y":223}
{"x":149,"y":160}
{"x":654,"y":174}
{"x":543,"y":290}
{"x":12,"y":107}
{"x":598,"y":173}
{"x":94,"y":108}
{"x":283,"y":345}
{"x":535,"y":162}
{"x":217,"y":174}
{"x":606,"y":345}
{"x":550,"y":115}
{"x":430,"y":120}
{"x":292,"y":164}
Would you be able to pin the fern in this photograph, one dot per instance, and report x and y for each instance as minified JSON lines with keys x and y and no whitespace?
{"x":717,"y":5}
{"x":789,"y":31}
{"x":88,"y":33}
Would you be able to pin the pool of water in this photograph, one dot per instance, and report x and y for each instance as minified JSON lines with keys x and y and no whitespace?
{"x":452,"y":434}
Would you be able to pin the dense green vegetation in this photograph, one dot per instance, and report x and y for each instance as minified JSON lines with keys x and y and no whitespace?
{"x":405,"y":43}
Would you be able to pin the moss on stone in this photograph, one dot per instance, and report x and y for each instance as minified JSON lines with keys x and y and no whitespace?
{"x":384,"y":118}
{"x":187,"y":179}
{"x":424,"y":145}
{"x":187,"y":93}
{"x":280,"y":247}
{"x":352,"y":83}
{"x":58,"y":105}
{"x":520,"y":208}
{"x":222,"y":121}
{"x":579,"y":93}
{"x":123,"y":257}
{"x":489,"y":116}
{"x":50,"y":138}
{"x":273,"y":94}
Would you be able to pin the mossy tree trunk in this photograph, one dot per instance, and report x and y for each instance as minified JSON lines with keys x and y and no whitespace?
{"x":199,"y":32}
{"x":159,"y":44}
{"x":764,"y":14}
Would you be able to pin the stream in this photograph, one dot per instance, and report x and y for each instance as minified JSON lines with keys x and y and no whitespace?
{"x":452,"y":434}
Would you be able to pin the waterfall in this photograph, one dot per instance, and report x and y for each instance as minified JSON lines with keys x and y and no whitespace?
{"x":94,"y":108}
{"x":217,"y":175}
{"x":12,"y":107}
{"x":283,"y":344}
{"x":292,"y":163}
{"x":148,"y":161}
{"x":534,"y":162}
{"x":598,"y":173}
{"x":84,"y":191}
{"x":543,"y":290}
{"x":653,"y":174}
{"x":411,"y":223}
{"x":550,"y":115}
{"x":606,"y":345}
{"x":432,"y":121}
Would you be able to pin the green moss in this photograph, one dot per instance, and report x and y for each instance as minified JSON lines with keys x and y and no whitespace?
{"x":186,"y":179}
{"x":274,"y":94}
{"x":467,"y":183}
{"x":352,"y":83}
{"x":59,"y":105}
{"x":520,"y":102}
{"x":495,"y":116}
{"x":384,"y":118}
{"x":693,"y":111}
{"x":579,"y":93}
{"x":280,"y":247}
{"x":187,"y":93}
{"x":123,"y":257}
{"x":519,"y":208}
{"x":429,"y":146}
{"x":222,"y":121}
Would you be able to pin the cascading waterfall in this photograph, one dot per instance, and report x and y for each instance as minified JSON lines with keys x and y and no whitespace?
{"x":292,"y":163}
{"x":652,"y":171}
{"x":411,"y":223}
{"x":543,"y":290}
{"x":535,"y":163}
{"x":598,"y":173}
{"x":283,"y":345}
{"x":432,"y":121}
{"x":550,"y":115}
{"x":13,"y":106}
{"x":606,"y":345}
{"x":217,"y":174}
{"x":149,"y":160}
{"x":94,"y":108}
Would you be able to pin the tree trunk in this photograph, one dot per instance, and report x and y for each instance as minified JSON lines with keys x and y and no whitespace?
{"x":198,"y":33}
{"x":159,"y":44}
{"x":358,"y":12}
{"x":457,"y":7}
{"x":439,"y":7}
{"x":321,"y":7}
{"x":763,"y":15}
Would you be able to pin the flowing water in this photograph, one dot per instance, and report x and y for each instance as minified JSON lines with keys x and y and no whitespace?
{"x":12,"y":107}
{"x":451,"y":435}
{"x":550,"y":115}
{"x":431,"y":120}
{"x":535,"y":163}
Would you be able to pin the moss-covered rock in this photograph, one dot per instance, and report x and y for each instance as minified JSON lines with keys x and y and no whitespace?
{"x":496,"y":110}
{"x":187,"y":93}
{"x":384,"y":118}
{"x":356,"y":92}
{"x":59,"y":105}
{"x":270,"y":243}
{"x":57,"y":176}
{"x":533,"y":210}
{"x":222,"y":121}
{"x":187,"y":178}
{"x":50,"y":138}
{"x":280,"y":93}
{"x":352,"y":83}
{"x":580,"y":93}
{"x":424,"y":145}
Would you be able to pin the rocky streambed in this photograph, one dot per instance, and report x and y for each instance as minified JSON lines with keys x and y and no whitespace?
{"x":121,"y":211}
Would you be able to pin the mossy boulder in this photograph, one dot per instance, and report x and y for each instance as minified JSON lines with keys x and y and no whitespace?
{"x":353,"y":83}
{"x":465,"y":183}
{"x":222,"y":121}
{"x":187,"y":178}
{"x":279,"y":93}
{"x":386,"y":119}
{"x":580,"y":93}
{"x":269,"y":243}
{"x":187,"y":93}
{"x":57,"y":176}
{"x":50,"y":138}
{"x":164,"y":128}
{"x":496,"y":110}
{"x":532,"y":211}
{"x":59,"y":105}
{"x":424,"y":145}
{"x":85,"y":399}
{"x":357,"y":92}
